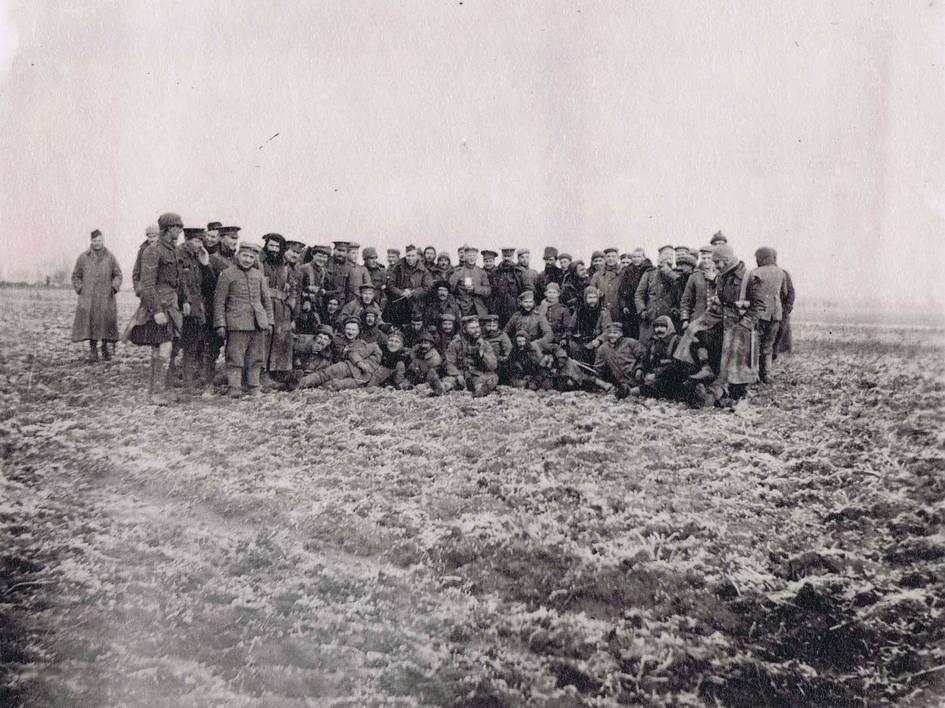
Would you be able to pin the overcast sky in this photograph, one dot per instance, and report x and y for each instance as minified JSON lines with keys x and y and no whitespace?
{"x":814,"y":127}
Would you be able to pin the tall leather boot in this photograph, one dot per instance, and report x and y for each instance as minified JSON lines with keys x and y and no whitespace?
{"x":159,"y":395}
{"x":93,"y":350}
{"x":764,"y":368}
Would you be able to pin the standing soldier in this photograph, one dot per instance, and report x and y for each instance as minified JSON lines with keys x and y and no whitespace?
{"x":159,"y":320}
{"x":470,"y":285}
{"x":357,"y":274}
{"x":366,"y":300}
{"x":574,"y":284}
{"x":470,"y":361}
{"x":278,"y":357}
{"x":242,"y":314}
{"x":336,"y":273}
{"x":699,"y":291}
{"x":551,"y":274}
{"x":654,"y":296}
{"x":524,"y":256}
{"x":630,"y":278}
{"x":772,"y":291}
{"x":197,"y":287}
{"x":407,"y":288}
{"x":607,"y":280}
{"x":96,"y":278}
{"x":393,"y":255}
{"x":294,"y":268}
{"x":377,"y":275}
{"x":783,"y":344}
{"x":685,"y":265}
{"x":558,"y":316}
{"x":508,"y":281}
{"x":312,"y":309}
{"x":440,"y":303}
{"x":223,"y":258}
{"x":211,"y":239}
{"x":429,"y":258}
{"x":150,"y":236}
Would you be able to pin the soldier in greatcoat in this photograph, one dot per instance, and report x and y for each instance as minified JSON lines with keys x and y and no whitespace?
{"x":96,"y":279}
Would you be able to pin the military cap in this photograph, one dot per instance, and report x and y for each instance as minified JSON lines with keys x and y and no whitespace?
{"x":663,"y":321}
{"x":166,"y":221}
{"x":766,"y":256}
{"x":706,"y":249}
{"x":426,"y":336}
{"x":614,"y":324}
{"x":396,"y":334}
{"x":275,"y":237}
{"x":447,"y":317}
{"x":214,"y":226}
{"x":526,"y":295}
{"x":321,"y":249}
{"x":190,"y":233}
{"x":250,"y":246}
{"x":553,"y":286}
{"x":353,"y":245}
{"x":443,"y":254}
{"x":723,"y":250}
{"x":489,"y":318}
{"x":410,"y":247}
{"x":95,"y":234}
{"x":665,"y":248}
{"x":562,"y":256}
{"x":467,"y":319}
{"x":611,"y":249}
{"x":717,"y":238}
{"x":155,"y":229}
{"x":416,"y":318}
{"x":508,"y":251}
{"x":521,"y":333}
{"x":366,"y":286}
{"x":325,"y":329}
{"x":356,"y":320}
{"x":295,"y":245}
{"x":686,"y":258}
{"x":393,"y":251}
{"x":467,"y":248}
{"x":624,"y":255}
{"x":597,"y":254}
{"x":489,"y":254}
{"x":550,"y":252}
{"x":523,"y":251}
{"x":332,"y":297}
{"x":341,"y":244}
{"x":229,"y":229}
{"x":638,"y":250}
{"x":369,"y":252}
{"x":441,"y":284}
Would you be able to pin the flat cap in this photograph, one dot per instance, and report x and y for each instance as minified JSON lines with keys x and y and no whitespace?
{"x":341,"y":244}
{"x":508,"y":251}
{"x":214,"y":225}
{"x":441,"y":284}
{"x":325,"y":329}
{"x":597,"y":254}
{"x":526,"y":295}
{"x":194,"y":232}
{"x":521,"y":333}
{"x":95,"y":234}
{"x":447,"y":317}
{"x":467,"y":319}
{"x":396,"y":334}
{"x":393,"y":251}
{"x":467,"y":248}
{"x":169,"y":219}
{"x":295,"y":245}
{"x":426,"y":336}
{"x":353,"y":245}
{"x":686,"y":258}
{"x":611,"y":249}
{"x":250,"y":246}
{"x":490,"y":317}
{"x":229,"y":229}
{"x":367,"y":286}
{"x":321,"y":249}
{"x":553,"y":286}
{"x":523,"y":251}
{"x":443,"y":255}
{"x":349,"y":320}
{"x":665,"y":248}
{"x":563,"y":256}
{"x":410,"y":247}
{"x":614,"y":324}
{"x":489,"y":254}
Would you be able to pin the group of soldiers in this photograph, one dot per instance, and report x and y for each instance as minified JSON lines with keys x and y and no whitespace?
{"x":699,"y":326}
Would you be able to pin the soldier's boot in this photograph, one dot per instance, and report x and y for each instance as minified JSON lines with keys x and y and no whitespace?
{"x":702,"y":397}
{"x":603,"y":385}
{"x":188,"y":366}
{"x":265,"y":381}
{"x":93,"y":351}
{"x":159,"y":395}
{"x":314,"y":380}
{"x":107,"y":350}
{"x":436,"y":385}
{"x":234,"y":381}
{"x":484,"y":386}
{"x":764,"y":369}
{"x":254,"y":380}
{"x":621,"y":392}
{"x":293,"y":379}
{"x":705,"y":372}
{"x":342,"y":384}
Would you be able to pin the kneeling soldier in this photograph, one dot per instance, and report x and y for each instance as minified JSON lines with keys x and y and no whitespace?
{"x":528,"y":367}
{"x":425,"y":362}
{"x":501,"y":345}
{"x":657,"y":373}
{"x":393,"y":367}
{"x":312,"y":353}
{"x":616,"y":360}
{"x":470,"y":361}
{"x":358,"y":361}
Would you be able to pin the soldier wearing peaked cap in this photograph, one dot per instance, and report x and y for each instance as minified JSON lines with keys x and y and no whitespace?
{"x":407,"y":288}
{"x":616,"y":360}
{"x":533,"y":323}
{"x":197,"y":283}
{"x":96,"y":279}
{"x":656,"y":293}
{"x":508,"y":281}
{"x":501,"y":345}
{"x":470,"y":285}
{"x":607,"y":280}
{"x":377,"y":274}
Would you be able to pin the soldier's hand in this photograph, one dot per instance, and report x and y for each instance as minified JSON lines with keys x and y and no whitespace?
{"x":221,"y":332}
{"x":186,"y":309}
{"x":408,"y":293}
{"x":684,"y":324}
{"x":203,"y":256}
{"x":160,"y":318}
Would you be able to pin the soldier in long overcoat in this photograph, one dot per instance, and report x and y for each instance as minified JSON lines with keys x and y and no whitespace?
{"x":96,"y":278}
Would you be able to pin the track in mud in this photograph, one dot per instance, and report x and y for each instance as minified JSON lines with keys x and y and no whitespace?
{"x":378,"y":548}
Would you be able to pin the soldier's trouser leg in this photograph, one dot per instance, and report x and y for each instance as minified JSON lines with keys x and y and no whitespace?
{"x":453,"y":383}
{"x":768,"y":334}
{"x":93,"y":350}
{"x":211,"y":353}
{"x":379,"y":377}
{"x":342,"y":384}
{"x":255,"y":359}
{"x":160,"y":357}
{"x":329,"y":373}
{"x":191,"y":339}
{"x":237,"y":354}
{"x":612,"y":367}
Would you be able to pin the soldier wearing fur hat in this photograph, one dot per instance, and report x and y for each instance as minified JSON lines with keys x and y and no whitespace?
{"x":607,"y":280}
{"x":425,"y":363}
{"x":407,"y":288}
{"x":535,"y":324}
{"x":243,"y":315}
{"x":508,"y":280}
{"x":159,"y":320}
{"x":470,"y":361}
{"x":279,"y":342}
{"x":551,"y":274}
{"x":616,"y":359}
{"x":587,"y":326}
{"x":96,"y":279}
{"x":197,"y":282}
{"x":470,"y":285}
{"x":440,"y":302}
{"x":357,"y":362}
{"x":655,"y":295}
{"x":501,"y":344}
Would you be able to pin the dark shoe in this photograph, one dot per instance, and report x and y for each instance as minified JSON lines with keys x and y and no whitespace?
{"x":93,"y":352}
{"x":702,"y":397}
{"x":621,"y":392}
{"x":436,"y":386}
{"x":107,"y":351}
{"x":764,"y":369}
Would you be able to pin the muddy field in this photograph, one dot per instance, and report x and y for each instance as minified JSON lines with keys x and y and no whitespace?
{"x":380,"y":548}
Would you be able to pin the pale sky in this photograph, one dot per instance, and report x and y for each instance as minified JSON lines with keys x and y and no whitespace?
{"x":814,"y":127}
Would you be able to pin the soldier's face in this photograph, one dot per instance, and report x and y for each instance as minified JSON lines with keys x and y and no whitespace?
{"x":523,"y":259}
{"x":429,"y":254}
{"x":443,"y":263}
{"x":708,"y":267}
{"x":353,"y":255}
{"x":332,"y":306}
{"x":417,"y":325}
{"x":472,"y":329}
{"x":659,"y":331}
{"x":682,"y":252}
{"x":552,"y":296}
{"x":212,"y":237}
{"x":598,"y":262}
{"x":394,"y":344}
{"x":488,"y":261}
{"x":370,"y":319}
{"x":470,"y":257}
{"x":352,"y":331}
{"x":613,"y":334}
{"x":370,"y":262}
{"x":412,"y":258}
{"x":719,"y":262}
{"x":492,"y":327}
{"x":520,"y":342}
{"x":442,"y":294}
{"x":97,"y":243}
{"x":273,"y":246}
{"x":447,"y":326}
{"x":564,"y":263}
{"x":611,"y":259}
{"x":425,"y":347}
{"x":320,"y":259}
{"x":549,"y":262}
{"x":636,"y":258}
{"x":625,"y":260}
{"x":391,"y":259}
{"x":292,"y":256}
{"x":230,"y":239}
{"x":246,"y":258}
{"x":152,"y":236}
{"x":367,"y":296}
{"x":666,"y":257}
{"x":340,"y":252}
{"x":527,"y":304}
{"x":581,"y":270}
{"x":508,"y":259}
{"x":592,"y":299}
{"x":322,"y":341}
